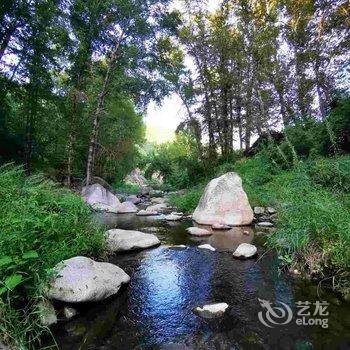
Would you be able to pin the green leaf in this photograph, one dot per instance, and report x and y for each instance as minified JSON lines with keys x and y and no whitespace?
{"x":31,"y":254}
{"x":12,"y":282}
{"x":5,"y":260}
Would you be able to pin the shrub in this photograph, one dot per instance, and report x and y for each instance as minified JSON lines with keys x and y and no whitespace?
{"x":128,"y":188}
{"x":331,"y":173}
{"x":40,"y":225}
{"x":187,"y":202}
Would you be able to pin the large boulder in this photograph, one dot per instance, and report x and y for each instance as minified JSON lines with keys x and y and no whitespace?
{"x":224,"y":202}
{"x":99,"y":198}
{"x":81,"y":279}
{"x":127,"y":207}
{"x":124,"y":240}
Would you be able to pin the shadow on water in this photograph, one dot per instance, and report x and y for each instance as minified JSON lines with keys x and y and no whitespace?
{"x":155,"y":310}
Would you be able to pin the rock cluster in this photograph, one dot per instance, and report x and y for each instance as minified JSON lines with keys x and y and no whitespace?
{"x":265,"y":217}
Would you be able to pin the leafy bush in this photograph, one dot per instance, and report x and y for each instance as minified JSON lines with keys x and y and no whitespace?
{"x":177,"y":162}
{"x":40,"y":225}
{"x":128,"y":188}
{"x":187,"y":202}
{"x":332,"y":173}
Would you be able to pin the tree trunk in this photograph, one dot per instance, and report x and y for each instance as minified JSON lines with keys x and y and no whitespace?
{"x":71,"y":140}
{"x":98,"y":113}
{"x":32,"y":97}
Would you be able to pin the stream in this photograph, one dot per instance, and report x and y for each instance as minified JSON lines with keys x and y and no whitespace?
{"x":154,"y":311}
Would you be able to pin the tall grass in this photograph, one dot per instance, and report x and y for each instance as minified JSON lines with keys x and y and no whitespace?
{"x":40,"y":225}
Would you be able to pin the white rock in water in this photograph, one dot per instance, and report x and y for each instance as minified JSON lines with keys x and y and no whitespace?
{"x":147,"y":213}
{"x":124,"y":240}
{"x":81,"y":279}
{"x":207,"y":246}
{"x":245,"y":250}
{"x":196,"y":231}
{"x":211,"y":310}
{"x":178,"y":247}
{"x":224,"y":201}
{"x":99,"y":198}
{"x":172,"y":217}
{"x":265,"y":224}
{"x":127,"y":207}
{"x":69,"y":312}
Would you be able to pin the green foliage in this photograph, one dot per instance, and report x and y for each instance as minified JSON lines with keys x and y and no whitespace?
{"x":122,"y":130}
{"x":40,"y":225}
{"x":188,"y":201}
{"x":122,"y":187}
{"x":176,"y":161}
{"x":313,"y":219}
{"x":331,"y":173}
{"x":255,"y":173}
{"x":313,"y":205}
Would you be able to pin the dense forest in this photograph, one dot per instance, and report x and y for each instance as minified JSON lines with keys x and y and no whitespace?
{"x":265,"y":90}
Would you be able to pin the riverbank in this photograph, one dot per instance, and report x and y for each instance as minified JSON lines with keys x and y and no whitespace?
{"x":41,"y":224}
{"x":313,"y":205}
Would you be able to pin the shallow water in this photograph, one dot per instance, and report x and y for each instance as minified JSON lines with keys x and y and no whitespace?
{"x":154,"y":311}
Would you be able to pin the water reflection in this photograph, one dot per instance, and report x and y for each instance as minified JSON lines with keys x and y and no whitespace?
{"x":155,"y":309}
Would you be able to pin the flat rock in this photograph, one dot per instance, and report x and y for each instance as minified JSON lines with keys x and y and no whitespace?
{"x":81,"y":279}
{"x":127,"y":207}
{"x":220,"y":227}
{"x":265,"y":224}
{"x":172,"y":217}
{"x":147,"y":213}
{"x":207,"y":246}
{"x":245,"y":251}
{"x":124,"y":240}
{"x":196,"y":231}
{"x":224,"y":201}
{"x":177,"y":213}
{"x":157,"y":207}
{"x":211,"y":310}
{"x":178,"y":247}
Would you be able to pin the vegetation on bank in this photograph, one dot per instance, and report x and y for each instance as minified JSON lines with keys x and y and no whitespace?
{"x":312,"y":200}
{"x":40,"y":225}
